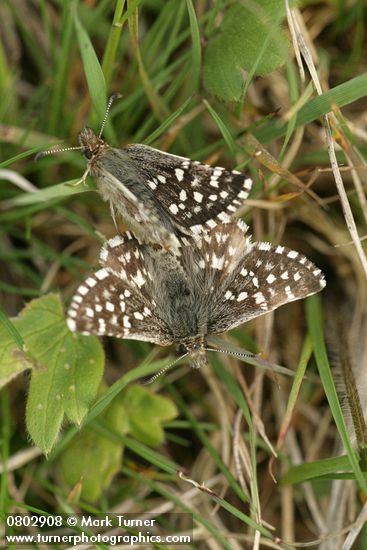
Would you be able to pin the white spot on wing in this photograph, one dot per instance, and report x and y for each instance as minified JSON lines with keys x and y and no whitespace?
{"x":223,"y":217}
{"x":264,"y":246}
{"x":179,"y":174}
{"x":248,"y":183}
{"x":198,"y":196}
{"x":217,"y":263}
{"x":259,"y":297}
{"x":138,"y":279}
{"x":152,"y":185}
{"x":173,"y":208}
{"x":101,"y":274}
{"x":183,"y":195}
{"x":116,"y":241}
{"x":126,"y":322}
{"x":71,"y":324}
{"x":292,"y":254}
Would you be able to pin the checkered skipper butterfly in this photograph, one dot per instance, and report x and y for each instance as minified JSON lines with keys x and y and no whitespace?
{"x":218,"y":283}
{"x":160,"y":196}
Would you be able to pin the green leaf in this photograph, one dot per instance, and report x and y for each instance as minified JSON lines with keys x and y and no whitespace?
{"x":66,"y":368}
{"x":313,"y":470}
{"x":146,"y":412}
{"x":94,"y":458}
{"x":196,"y":47}
{"x":341,"y":95}
{"x":250,"y":39}
{"x":92,"y":68}
{"x":314,"y":322}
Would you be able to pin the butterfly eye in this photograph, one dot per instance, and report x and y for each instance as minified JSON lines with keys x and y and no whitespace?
{"x":88,"y":153}
{"x":181,"y":348}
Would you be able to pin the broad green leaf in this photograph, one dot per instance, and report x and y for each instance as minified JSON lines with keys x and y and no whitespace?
{"x":250,"y":38}
{"x":146,"y":412}
{"x":93,"y":458}
{"x":66,"y":368}
{"x":92,"y":68}
{"x":13,"y":360}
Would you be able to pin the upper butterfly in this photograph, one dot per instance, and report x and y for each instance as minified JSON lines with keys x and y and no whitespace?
{"x":159,"y":196}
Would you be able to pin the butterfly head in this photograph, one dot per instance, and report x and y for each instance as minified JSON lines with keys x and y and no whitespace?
{"x":195,"y":348}
{"x":91,"y":143}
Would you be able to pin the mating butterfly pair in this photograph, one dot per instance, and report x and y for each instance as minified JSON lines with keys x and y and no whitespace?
{"x":223,"y":281}
{"x":173,"y":293}
{"x":219,"y":279}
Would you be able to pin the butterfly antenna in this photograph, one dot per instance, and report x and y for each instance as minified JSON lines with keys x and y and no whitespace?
{"x":56,"y":151}
{"x":151,"y":379}
{"x":113,"y":97}
{"x":232,"y":353}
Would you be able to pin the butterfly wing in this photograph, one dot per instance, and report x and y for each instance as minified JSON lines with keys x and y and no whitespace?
{"x":242,"y":281}
{"x":192,"y":194}
{"x":120,"y":183}
{"x":116,"y":300}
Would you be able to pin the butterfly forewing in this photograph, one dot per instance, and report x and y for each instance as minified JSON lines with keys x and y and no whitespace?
{"x":159,"y":196}
{"x":116,"y":300}
{"x":192,"y":194}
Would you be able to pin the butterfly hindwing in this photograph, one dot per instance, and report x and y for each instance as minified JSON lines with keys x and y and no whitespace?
{"x":116,"y":300}
{"x":253,"y":278}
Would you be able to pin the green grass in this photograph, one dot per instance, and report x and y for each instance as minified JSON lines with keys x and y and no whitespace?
{"x":59,"y":62}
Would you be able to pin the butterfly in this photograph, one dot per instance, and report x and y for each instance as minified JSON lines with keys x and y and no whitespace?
{"x":160,"y":196}
{"x":219,"y":282}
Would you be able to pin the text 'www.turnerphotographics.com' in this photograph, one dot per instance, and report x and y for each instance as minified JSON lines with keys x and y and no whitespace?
{"x":112,"y":529}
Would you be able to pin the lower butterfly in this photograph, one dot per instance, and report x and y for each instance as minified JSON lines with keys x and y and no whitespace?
{"x":218,"y":283}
